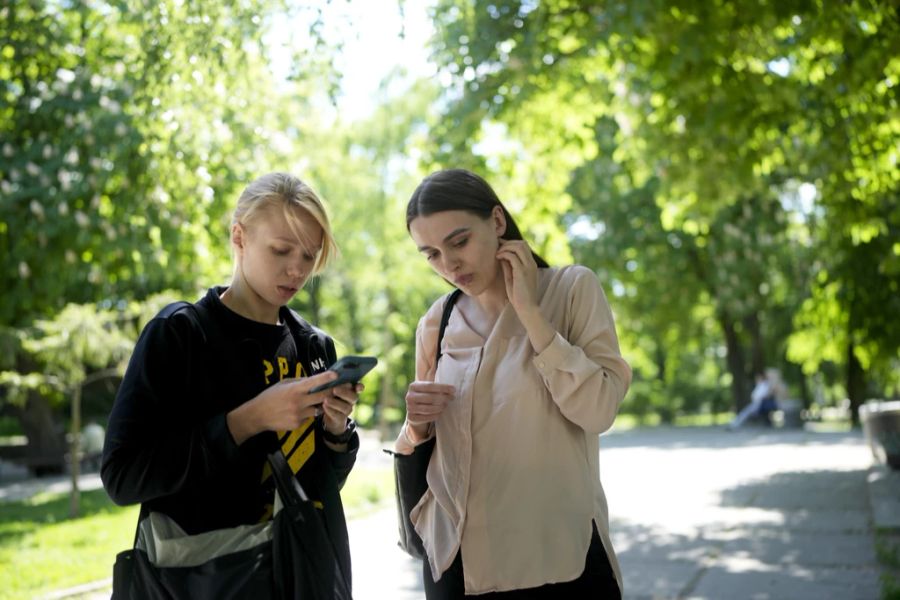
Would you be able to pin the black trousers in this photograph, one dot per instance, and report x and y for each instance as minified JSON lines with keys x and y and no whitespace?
{"x":597,"y":582}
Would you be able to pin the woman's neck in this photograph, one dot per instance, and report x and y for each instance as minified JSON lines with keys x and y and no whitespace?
{"x":493,"y":299}
{"x":241,"y":299}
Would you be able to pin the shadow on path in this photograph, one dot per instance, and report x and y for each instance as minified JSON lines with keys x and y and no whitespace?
{"x":794,"y":535}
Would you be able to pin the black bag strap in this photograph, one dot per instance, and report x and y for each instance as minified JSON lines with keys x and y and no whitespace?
{"x":445,"y":318}
{"x":293,"y":495}
{"x":317,"y":338}
{"x":290,"y":490}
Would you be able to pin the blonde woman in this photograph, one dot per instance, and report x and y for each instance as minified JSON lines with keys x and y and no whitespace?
{"x":213,"y":387}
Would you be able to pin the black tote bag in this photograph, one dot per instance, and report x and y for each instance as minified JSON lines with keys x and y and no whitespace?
{"x":298,"y":562}
{"x":410,"y":485}
{"x":410,"y":470}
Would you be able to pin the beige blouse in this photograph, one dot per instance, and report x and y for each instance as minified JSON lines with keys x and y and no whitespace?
{"x":514,"y":481}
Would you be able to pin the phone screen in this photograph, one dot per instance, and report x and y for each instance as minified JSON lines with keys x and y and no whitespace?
{"x":350,"y":369}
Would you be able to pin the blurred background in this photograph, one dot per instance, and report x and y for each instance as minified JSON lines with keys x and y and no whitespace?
{"x":728,"y":169}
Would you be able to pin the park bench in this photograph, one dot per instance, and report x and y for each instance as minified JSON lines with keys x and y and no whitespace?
{"x":790,"y":414}
{"x":15,"y":450}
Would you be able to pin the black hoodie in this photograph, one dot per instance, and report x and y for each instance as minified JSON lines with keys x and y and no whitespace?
{"x":167,"y":443}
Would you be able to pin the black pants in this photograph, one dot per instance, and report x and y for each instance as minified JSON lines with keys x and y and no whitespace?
{"x":597,"y":582}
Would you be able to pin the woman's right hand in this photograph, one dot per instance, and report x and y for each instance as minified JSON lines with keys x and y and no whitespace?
{"x":425,"y":402}
{"x":280,"y":407}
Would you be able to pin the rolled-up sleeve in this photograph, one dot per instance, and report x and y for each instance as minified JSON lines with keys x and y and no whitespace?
{"x":426,"y":345}
{"x":583,"y":368}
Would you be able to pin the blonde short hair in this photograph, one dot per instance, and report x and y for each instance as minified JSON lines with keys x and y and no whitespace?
{"x":289,"y":193}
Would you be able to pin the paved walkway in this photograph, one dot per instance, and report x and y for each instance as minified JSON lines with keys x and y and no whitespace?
{"x":707,"y":514}
{"x":758,"y":515}
{"x":711,"y":514}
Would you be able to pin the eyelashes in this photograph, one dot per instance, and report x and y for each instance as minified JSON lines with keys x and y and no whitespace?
{"x":286,"y":253}
{"x":430,"y":256}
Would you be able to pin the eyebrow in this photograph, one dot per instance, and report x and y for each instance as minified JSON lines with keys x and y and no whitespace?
{"x":448,"y":237}
{"x":296,"y":242}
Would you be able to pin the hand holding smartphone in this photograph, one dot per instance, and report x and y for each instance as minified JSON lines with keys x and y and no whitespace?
{"x":350,"y":369}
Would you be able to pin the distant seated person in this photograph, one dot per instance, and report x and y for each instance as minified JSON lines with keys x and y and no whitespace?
{"x":762,"y":400}
{"x":92,"y":446}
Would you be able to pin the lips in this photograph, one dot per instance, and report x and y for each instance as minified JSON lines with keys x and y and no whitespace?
{"x":287,"y":290}
{"x":463,"y":280}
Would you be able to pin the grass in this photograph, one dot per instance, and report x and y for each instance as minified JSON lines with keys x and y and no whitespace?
{"x":887,"y":549}
{"x":625,"y":421}
{"x":367,"y":489}
{"x":42,"y":549}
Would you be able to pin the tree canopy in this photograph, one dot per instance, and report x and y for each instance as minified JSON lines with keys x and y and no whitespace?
{"x":127,"y":130}
{"x":729,"y":170}
{"x":687,"y":134}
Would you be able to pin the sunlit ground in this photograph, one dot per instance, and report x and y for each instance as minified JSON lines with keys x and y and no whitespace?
{"x":770,"y":513}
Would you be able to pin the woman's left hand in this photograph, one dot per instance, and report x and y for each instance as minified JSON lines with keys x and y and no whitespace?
{"x":337,"y":407}
{"x":519,"y":274}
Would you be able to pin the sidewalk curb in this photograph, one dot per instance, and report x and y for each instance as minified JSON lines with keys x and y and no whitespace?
{"x":884,"y":497}
{"x":80,"y":590}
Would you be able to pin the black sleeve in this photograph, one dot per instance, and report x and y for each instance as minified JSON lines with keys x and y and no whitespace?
{"x":341,"y":462}
{"x":156,"y":445}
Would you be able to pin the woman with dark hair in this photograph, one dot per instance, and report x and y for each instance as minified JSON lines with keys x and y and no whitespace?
{"x":529,"y":375}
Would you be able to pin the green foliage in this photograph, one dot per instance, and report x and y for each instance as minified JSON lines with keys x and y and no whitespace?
{"x":648,"y":398}
{"x":66,"y":349}
{"x":887,"y":549}
{"x":729,"y":173}
{"x":370,"y":300}
{"x":367,"y":489}
{"x":688,"y":139}
{"x":128,"y":128}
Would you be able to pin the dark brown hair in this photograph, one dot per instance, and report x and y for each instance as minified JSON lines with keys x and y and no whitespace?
{"x":459,"y":189}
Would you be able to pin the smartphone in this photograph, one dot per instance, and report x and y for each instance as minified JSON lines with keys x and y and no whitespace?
{"x":350,"y":369}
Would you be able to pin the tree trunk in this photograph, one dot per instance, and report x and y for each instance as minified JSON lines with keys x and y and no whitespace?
{"x":313,"y":316}
{"x":735,"y":361}
{"x":660,"y":363}
{"x":75,"y":452}
{"x":856,"y":384}
{"x":757,"y":347}
{"x":385,"y":397}
{"x":805,"y":393}
{"x":349,"y":299}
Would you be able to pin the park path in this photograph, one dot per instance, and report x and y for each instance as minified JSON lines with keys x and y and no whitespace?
{"x":703,"y":513}
{"x":756,"y":514}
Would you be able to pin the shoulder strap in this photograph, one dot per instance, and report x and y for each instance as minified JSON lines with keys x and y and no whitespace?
{"x":166,"y":312}
{"x":445,"y":318}
{"x":317,"y":337}
{"x":170,"y":309}
{"x":211,"y":333}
